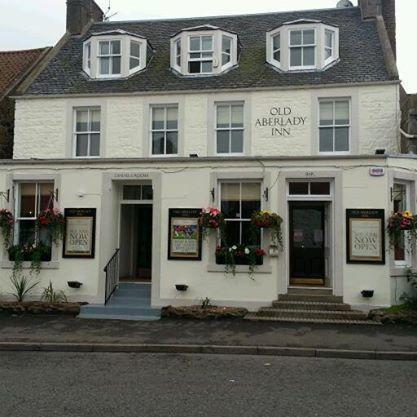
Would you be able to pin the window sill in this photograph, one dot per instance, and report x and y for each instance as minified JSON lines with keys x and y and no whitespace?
{"x":241,"y":269}
{"x":26,"y":265}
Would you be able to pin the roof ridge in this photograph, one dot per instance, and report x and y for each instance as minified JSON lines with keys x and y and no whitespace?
{"x":172,"y":19}
{"x":22,"y":51}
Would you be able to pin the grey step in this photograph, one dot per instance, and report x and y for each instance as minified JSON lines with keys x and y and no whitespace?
{"x":310,"y":305}
{"x":118,"y":317}
{"x":120,"y":310}
{"x":314,"y":314}
{"x":255,"y":317}
{"x":311,"y":298}
{"x":130,"y":301}
{"x":134,"y":286}
{"x":314,"y":291}
{"x":132,"y":293}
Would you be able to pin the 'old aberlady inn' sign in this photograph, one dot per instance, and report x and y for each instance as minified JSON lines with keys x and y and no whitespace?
{"x":281,"y":121}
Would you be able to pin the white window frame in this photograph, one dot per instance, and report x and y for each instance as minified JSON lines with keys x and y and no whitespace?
{"x":230,"y":128}
{"x":217,"y":35}
{"x":75,"y":133}
{"x":309,"y":196}
{"x":125,"y":71}
{"x":165,"y":130}
{"x":334,"y":126}
{"x":302,"y":46}
{"x":17,"y":207}
{"x":407,"y":258}
{"x":178,"y":52}
{"x":326,"y":48}
{"x":279,"y":49}
{"x":201,"y":59}
{"x":87,"y":57}
{"x":111,"y":57}
{"x":134,"y":69}
{"x":240,"y":219}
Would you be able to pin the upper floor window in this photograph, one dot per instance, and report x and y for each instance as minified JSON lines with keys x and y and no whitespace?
{"x":204,"y":50}
{"x":114,"y":54}
{"x":229,"y":128}
{"x":334,"y":126}
{"x":87,"y":128}
{"x":164,"y":130}
{"x":302,"y":45}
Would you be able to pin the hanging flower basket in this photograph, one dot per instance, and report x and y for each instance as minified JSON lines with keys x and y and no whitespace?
{"x":211,"y":219}
{"x":267,"y":220}
{"x":6,"y":225}
{"x":400,"y":222}
{"x":53,"y":221}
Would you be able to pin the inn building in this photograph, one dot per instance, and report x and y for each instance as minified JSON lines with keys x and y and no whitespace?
{"x":130,"y":128}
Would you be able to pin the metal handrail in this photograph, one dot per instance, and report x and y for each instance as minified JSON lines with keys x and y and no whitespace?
{"x":112,"y":275}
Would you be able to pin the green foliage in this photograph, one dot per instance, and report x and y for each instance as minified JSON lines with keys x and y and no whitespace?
{"x":206,"y":303}
{"x":53,"y":297}
{"x":22,"y":286}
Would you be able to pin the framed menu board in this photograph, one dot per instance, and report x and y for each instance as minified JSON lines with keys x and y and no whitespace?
{"x":365,"y":236}
{"x":80,"y":233}
{"x":184,"y":236}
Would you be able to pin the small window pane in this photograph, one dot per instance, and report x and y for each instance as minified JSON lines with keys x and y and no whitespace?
{"x":27,"y":200}
{"x":82,"y":145}
{"x":326,"y":139}
{"x":147,"y":192}
{"x":226,"y":44}
{"x":45,"y":191}
{"x":82,"y":121}
{"x":172,"y":118}
{"x":132,"y":192}
{"x":329,"y":39}
{"x":326,"y":113}
{"x":104,"y":48}
{"x":296,"y":57}
{"x":230,"y":194}
{"x":277,"y":41}
{"x":308,"y":56}
{"x":250,"y":237}
{"x":158,"y":118}
{"x":115,"y":45}
{"x":237,"y":116}
{"x":277,"y":55}
{"x":400,"y":197}
{"x":116,"y":65}
{"x":223,"y":116}
{"x":298,"y":188}
{"x":251,"y":199}
{"x":172,"y":143}
{"x":207,"y":43}
{"x":308,"y":37}
{"x":95,"y":120}
{"x":104,"y":66}
{"x":207,"y":66}
{"x":295,"y":37}
{"x":194,"y":67}
{"x":327,"y":53}
{"x":237,"y":141}
{"x":27,"y":232}
{"x":95,"y":145}
{"x":195,"y":43}
{"x":133,"y":63}
{"x":341,"y":139}
{"x":320,"y":188}
{"x":223,"y":139}
{"x":232,"y":233}
{"x":135,"y":49}
{"x":342,"y":113}
{"x":158,"y":139}
{"x":225,"y":59}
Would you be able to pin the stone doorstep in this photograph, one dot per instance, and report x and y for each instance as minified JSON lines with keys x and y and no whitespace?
{"x":301,"y":313}
{"x":310,"y":305}
{"x":286,"y":319}
{"x":311,"y":297}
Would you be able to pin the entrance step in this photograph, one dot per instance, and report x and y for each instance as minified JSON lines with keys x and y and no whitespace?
{"x":302,"y":305}
{"x":128,"y":302}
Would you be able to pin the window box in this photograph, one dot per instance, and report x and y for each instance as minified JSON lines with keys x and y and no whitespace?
{"x":28,"y":254}
{"x":240,"y":260}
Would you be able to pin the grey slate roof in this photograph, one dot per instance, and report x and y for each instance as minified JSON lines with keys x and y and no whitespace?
{"x":361,"y":57}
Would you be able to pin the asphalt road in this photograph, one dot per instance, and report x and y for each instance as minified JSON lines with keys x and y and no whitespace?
{"x":93,"y":384}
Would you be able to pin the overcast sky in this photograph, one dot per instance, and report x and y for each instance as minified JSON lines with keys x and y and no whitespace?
{"x":35,"y":23}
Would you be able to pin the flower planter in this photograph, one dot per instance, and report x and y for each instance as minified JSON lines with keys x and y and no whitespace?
{"x":221,"y":260}
{"x":27,"y":256}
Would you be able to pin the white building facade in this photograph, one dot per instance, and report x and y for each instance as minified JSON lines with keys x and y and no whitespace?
{"x":292,"y":118}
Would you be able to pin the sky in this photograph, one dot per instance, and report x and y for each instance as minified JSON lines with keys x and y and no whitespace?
{"x":36,"y":23}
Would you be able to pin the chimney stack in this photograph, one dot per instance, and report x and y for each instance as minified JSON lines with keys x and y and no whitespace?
{"x":371,"y":9}
{"x":80,"y":13}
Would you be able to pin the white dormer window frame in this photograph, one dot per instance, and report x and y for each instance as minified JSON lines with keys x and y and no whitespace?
{"x":214,"y":57}
{"x":325,"y":46}
{"x":132,"y":50}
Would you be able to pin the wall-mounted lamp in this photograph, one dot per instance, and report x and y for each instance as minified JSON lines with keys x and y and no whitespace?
{"x":266,"y":194}
{"x":380,"y":152}
{"x":193,"y":155}
{"x":213,"y":195}
{"x":5,"y":195}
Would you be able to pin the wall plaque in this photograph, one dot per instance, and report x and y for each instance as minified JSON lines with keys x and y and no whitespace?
{"x":80,"y":233}
{"x":184,"y":237}
{"x":365,"y":236}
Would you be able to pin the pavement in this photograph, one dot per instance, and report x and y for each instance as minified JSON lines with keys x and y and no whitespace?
{"x":60,"y":333}
{"x":58,"y":384}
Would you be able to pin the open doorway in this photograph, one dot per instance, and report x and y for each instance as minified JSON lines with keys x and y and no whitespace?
{"x":136,"y":243}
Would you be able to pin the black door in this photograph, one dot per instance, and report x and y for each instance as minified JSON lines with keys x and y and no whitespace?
{"x":307,"y":242}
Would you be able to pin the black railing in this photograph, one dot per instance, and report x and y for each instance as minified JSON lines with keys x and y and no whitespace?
{"x":112,"y":275}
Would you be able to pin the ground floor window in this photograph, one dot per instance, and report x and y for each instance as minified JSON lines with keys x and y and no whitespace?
{"x":401,"y":201}
{"x":31,"y":199}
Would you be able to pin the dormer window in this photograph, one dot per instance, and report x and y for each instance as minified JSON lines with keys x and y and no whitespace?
{"x":203,"y":51}
{"x":114,"y":54}
{"x":304,"y":45}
